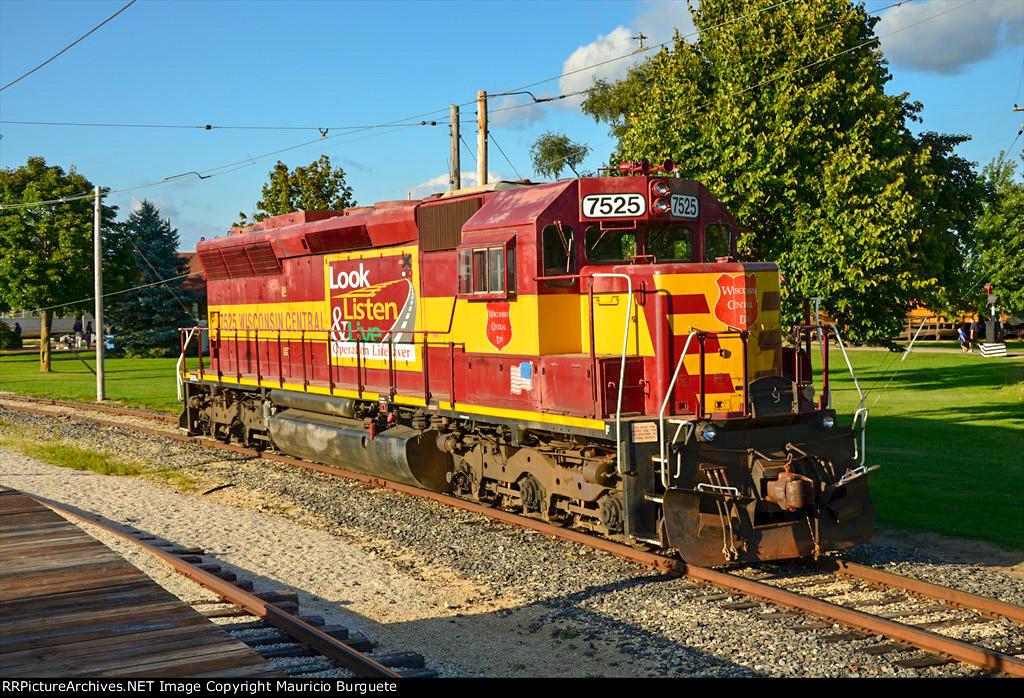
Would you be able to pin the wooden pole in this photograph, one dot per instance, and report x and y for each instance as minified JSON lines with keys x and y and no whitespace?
{"x":481,"y":137}
{"x":97,"y":251}
{"x":455,"y":168}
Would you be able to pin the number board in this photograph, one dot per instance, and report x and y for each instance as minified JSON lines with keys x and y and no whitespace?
{"x":685,"y":206}
{"x":613,"y":205}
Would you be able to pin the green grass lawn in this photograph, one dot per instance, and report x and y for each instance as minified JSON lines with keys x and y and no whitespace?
{"x":147,"y":383}
{"x":948,"y":431}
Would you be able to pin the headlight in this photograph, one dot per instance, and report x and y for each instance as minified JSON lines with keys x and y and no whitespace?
{"x":660,"y":188}
{"x":661,"y":206}
{"x":708,"y":432}
{"x":828,"y":421}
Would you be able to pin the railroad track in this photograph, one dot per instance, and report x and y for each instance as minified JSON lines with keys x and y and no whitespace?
{"x":894,"y":621}
{"x":276,"y":630}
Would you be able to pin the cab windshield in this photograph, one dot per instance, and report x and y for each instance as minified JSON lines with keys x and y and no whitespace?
{"x":666,"y":242}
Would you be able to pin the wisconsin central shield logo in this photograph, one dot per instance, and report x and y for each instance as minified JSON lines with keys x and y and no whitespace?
{"x":499,"y":325}
{"x":737,"y":300}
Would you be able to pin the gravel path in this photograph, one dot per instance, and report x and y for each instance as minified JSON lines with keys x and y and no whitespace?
{"x":474,"y":596}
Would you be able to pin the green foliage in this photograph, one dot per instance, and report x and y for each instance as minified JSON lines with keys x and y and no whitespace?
{"x":553,"y":152}
{"x":817,"y":164}
{"x":8,"y":340}
{"x":1000,"y":234}
{"x":46,"y":252}
{"x":315,"y":187}
{"x":146,"y":320}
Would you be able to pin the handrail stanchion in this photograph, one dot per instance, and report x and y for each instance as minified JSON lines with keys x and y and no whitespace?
{"x":330,"y":364}
{"x":302,"y":346}
{"x":359,"y":364}
{"x":182,"y":360}
{"x":622,"y":366}
{"x":426,"y":372}
{"x":701,"y":339}
{"x":391,"y":366}
{"x":220,"y":357}
{"x":826,"y":398}
{"x":849,"y":366}
{"x":593,"y":349}
{"x":451,"y":393}
{"x":259,"y":376}
{"x":664,"y":404}
{"x":238,"y":359}
{"x":914,"y":339}
{"x":201,"y":376}
{"x":280,"y":361}
{"x":745,"y":337}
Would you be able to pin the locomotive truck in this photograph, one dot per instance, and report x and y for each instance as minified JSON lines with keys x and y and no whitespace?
{"x":587,"y":351}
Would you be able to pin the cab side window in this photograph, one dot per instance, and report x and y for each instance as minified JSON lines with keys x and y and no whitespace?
{"x":487,"y":270}
{"x":717,"y":241}
{"x":559,"y":250}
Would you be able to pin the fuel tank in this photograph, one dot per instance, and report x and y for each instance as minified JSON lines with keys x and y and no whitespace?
{"x":401,"y":453}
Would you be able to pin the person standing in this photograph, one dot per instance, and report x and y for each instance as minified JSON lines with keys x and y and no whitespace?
{"x":961,"y":334}
{"x":78,"y":332}
{"x":973,"y":337}
{"x":17,"y":330}
{"x":88,"y":334}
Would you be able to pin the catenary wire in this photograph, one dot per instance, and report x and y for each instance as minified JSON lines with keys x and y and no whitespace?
{"x":66,"y":48}
{"x":242,"y":163}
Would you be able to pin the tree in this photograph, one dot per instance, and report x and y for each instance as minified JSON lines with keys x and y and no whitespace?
{"x":1000,"y":233}
{"x":784,"y":117}
{"x":317,"y":186}
{"x":147,"y":319}
{"x":553,"y":152}
{"x":46,"y":252}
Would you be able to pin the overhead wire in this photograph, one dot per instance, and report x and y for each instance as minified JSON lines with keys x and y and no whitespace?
{"x":491,"y":136}
{"x":785,"y":73}
{"x":244,"y":163}
{"x":69,"y":46}
{"x":117,"y":293}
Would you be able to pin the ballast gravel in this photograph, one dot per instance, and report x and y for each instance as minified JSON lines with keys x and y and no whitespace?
{"x":475,"y":597}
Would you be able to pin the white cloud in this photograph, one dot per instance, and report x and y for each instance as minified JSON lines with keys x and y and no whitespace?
{"x":439,"y":184}
{"x":953,"y":41}
{"x":657,"y":21}
{"x":605,"y":47}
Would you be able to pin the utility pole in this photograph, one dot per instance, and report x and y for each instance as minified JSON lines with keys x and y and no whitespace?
{"x":481,"y":137}
{"x":97,"y":252}
{"x":454,"y":170}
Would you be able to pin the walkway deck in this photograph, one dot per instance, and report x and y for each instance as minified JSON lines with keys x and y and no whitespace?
{"x":71,"y":607}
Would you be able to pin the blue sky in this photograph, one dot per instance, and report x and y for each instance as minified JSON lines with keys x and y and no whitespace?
{"x":337,"y":64}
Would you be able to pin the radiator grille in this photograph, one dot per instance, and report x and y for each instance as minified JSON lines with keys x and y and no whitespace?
{"x":440,"y":224}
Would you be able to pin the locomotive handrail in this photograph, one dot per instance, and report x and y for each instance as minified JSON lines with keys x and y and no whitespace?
{"x":625,"y":345}
{"x":234,"y":336}
{"x":185,"y":341}
{"x":849,"y":365}
{"x":664,"y":404}
{"x":622,"y":364}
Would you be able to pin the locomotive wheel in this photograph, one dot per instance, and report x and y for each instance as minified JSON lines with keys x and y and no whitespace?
{"x":531,"y":493}
{"x":611,"y":511}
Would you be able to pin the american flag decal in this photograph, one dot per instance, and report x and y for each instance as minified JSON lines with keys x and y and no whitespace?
{"x":522,"y":377}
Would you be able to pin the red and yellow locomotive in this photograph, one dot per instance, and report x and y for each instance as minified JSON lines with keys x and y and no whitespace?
{"x":588,"y":351}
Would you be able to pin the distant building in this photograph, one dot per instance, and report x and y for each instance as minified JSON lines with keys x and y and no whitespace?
{"x":196,"y":283}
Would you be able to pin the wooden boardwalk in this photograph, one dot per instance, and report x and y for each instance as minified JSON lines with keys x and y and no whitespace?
{"x":71,"y":607}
